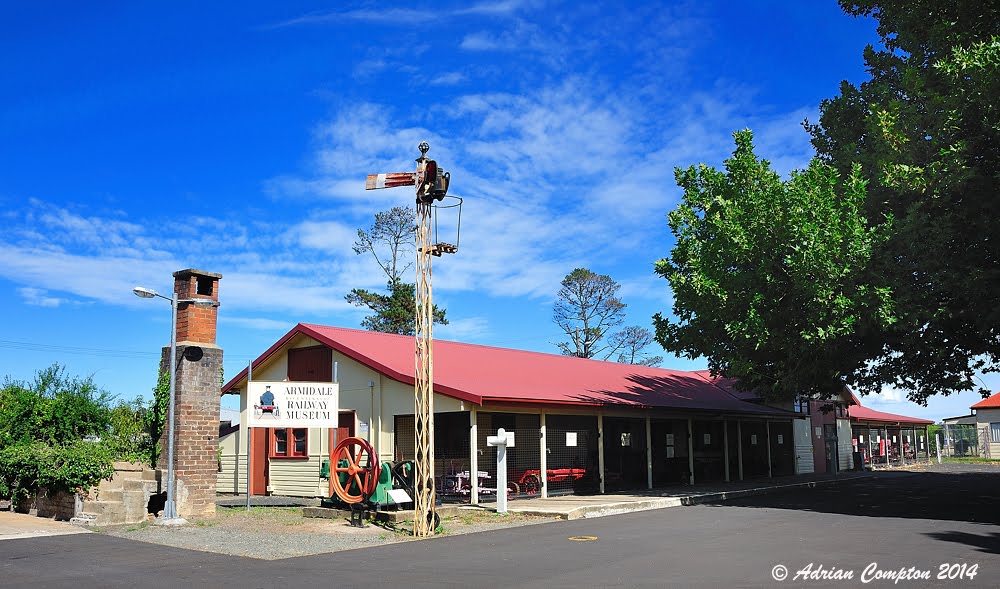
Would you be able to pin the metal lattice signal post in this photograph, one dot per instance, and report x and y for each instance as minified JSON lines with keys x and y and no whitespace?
{"x":432,"y":184}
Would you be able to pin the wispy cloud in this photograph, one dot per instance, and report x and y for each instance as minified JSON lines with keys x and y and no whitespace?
{"x":402,"y":17}
{"x":259,"y":323}
{"x":465,"y":329}
{"x":39,"y":297}
{"x":448,"y":79}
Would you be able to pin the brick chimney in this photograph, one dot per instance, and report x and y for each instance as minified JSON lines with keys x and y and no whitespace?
{"x":198,"y":388}
{"x":196,"y":323}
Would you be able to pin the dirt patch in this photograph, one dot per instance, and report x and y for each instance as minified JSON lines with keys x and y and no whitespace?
{"x":283,"y":532}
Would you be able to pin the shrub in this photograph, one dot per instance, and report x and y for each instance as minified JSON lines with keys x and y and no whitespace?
{"x":129,"y":436}
{"x":56,"y":432}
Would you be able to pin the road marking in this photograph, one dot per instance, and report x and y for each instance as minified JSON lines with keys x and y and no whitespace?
{"x":582,"y":538}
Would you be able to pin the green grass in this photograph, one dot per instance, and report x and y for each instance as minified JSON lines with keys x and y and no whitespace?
{"x":971,"y":460}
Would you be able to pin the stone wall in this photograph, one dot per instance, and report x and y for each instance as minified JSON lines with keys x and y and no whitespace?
{"x":52,"y":504}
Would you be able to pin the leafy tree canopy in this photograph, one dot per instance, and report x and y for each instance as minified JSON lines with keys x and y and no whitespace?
{"x":768,"y":275}
{"x":394,"y":312}
{"x":924,"y":131}
{"x":586,"y":307}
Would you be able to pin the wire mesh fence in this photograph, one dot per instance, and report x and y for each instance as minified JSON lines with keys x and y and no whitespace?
{"x":960,"y":440}
{"x":887,"y":446}
{"x":624,"y":453}
{"x":523,"y":456}
{"x":571,"y":454}
{"x":451,"y":453}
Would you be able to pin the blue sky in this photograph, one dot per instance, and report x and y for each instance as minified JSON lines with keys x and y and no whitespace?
{"x":137,"y":140}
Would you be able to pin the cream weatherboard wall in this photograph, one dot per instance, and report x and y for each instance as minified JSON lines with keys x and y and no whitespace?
{"x":845,"y":450}
{"x":375,"y":400}
{"x":988,"y":448}
{"x":804,"y":462}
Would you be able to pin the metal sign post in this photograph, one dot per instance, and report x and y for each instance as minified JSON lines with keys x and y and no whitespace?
{"x":249,"y":429}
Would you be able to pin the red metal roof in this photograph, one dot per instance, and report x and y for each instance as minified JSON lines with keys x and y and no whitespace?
{"x":988,"y":403}
{"x":859,"y":413}
{"x":728,"y":385}
{"x":487,"y":374}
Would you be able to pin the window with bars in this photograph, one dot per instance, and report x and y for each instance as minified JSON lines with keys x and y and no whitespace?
{"x":995,"y":433}
{"x":289,"y":443}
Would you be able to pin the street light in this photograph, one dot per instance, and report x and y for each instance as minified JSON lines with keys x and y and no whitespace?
{"x":170,"y":516}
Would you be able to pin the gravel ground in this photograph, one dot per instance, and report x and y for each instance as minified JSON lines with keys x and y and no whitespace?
{"x":270,"y":533}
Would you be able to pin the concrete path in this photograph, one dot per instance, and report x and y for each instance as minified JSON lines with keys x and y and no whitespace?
{"x":20,"y":525}
{"x":586,"y":506}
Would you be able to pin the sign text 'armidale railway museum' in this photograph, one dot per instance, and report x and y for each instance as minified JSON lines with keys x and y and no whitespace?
{"x":292,"y":404}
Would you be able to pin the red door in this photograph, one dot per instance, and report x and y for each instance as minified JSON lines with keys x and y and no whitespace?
{"x":314,"y":364}
{"x":258,"y":460}
{"x":345,"y":429}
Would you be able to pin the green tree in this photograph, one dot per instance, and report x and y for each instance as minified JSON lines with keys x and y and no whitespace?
{"x":586,"y":308}
{"x":388,"y":240}
{"x":924,"y":130}
{"x":394,"y":312}
{"x":54,"y":408}
{"x":767,"y":275}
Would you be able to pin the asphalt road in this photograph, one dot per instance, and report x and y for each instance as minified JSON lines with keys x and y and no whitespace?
{"x":899,"y":520}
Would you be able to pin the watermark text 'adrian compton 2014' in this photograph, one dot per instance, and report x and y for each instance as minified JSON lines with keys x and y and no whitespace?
{"x":874,"y":572}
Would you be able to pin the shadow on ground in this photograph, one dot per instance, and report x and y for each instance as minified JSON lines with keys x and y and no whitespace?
{"x":944,"y":496}
{"x":988,"y":542}
{"x":966,"y":497}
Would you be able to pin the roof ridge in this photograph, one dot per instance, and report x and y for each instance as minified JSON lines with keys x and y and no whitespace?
{"x":494,"y":347}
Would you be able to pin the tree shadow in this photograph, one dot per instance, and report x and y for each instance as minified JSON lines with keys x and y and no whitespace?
{"x":678,"y":391}
{"x":988,"y":543}
{"x":968,"y":497}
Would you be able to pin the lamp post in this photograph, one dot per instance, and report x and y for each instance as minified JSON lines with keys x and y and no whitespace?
{"x":170,"y":516}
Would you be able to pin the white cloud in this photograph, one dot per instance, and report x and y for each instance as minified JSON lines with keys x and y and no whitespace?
{"x":888,"y":396}
{"x":40,"y":298}
{"x":330,"y":236}
{"x":403,"y":17}
{"x":448,"y":79}
{"x":259,"y":323}
{"x":466,"y":329}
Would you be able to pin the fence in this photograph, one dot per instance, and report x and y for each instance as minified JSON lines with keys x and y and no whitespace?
{"x":960,"y":440}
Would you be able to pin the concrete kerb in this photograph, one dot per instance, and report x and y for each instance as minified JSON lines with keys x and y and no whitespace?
{"x":646,"y":504}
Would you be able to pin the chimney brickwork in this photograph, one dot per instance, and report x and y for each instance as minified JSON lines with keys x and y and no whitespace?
{"x":197,"y":392}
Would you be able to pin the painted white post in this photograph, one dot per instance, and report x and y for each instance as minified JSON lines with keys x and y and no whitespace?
{"x":739,"y":446}
{"x":543,"y":478}
{"x":690,"y":451}
{"x":500,"y":441}
{"x":939,"y":448}
{"x":649,"y":454}
{"x":474,"y":455}
{"x":767,"y":429}
{"x":725,"y":446}
{"x":600,"y":448}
